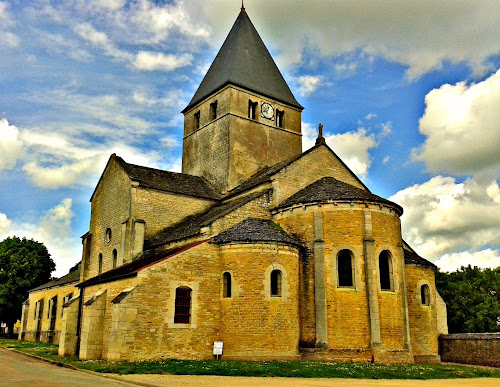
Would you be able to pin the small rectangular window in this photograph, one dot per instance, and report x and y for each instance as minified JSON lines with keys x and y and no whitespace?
{"x":196,"y":123}
{"x":226,"y":285}
{"x":213,"y":111}
{"x":182,"y":306}
{"x":276,"y":283}
{"x":280,"y":118}
{"x":252,"y":109}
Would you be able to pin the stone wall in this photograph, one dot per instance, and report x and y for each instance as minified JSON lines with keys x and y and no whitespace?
{"x":471,"y":348}
{"x":318,"y":163}
{"x":423,"y":316}
{"x":160,"y":209}
{"x":255,"y":324}
{"x":110,"y":209}
{"x":232,"y":147}
{"x":327,"y":229}
{"x":42,"y":328}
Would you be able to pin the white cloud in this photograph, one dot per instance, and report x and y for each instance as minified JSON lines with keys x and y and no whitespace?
{"x":169,"y":142}
{"x":486,"y":258}
{"x":6,"y":18}
{"x":105,"y":109}
{"x":308,"y":84}
{"x":462,"y":128}
{"x":63,"y":45}
{"x":352,"y":147}
{"x":442,"y":217}
{"x":7,"y":38}
{"x":5,"y":224}
{"x":61,"y":176}
{"x":100,"y":40}
{"x":53,"y":229}
{"x":161,"y":20}
{"x":10,"y":145}
{"x":173,"y":99}
{"x":419,"y":34}
{"x":108,"y":5}
{"x":386,"y":159}
{"x":386,"y":128}
{"x":150,"y":61}
{"x":370,"y":116}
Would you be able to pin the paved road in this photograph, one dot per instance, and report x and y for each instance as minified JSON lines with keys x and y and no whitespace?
{"x":237,"y":381}
{"x":19,"y":370}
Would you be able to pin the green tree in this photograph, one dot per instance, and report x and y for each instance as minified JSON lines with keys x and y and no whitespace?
{"x":24,"y":265}
{"x":472,"y":297}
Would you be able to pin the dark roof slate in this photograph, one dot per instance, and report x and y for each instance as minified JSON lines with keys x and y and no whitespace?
{"x":412,"y":258}
{"x":244,"y":61}
{"x":255,"y":230}
{"x":170,"y":181}
{"x":132,"y":268}
{"x":72,"y":276}
{"x":192,"y":225}
{"x":329,"y":188}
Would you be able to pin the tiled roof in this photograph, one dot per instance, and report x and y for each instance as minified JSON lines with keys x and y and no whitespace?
{"x":170,"y":181}
{"x":329,"y":188}
{"x":244,"y":61}
{"x":412,"y":258}
{"x":192,"y":225}
{"x":131,"y":269}
{"x":255,"y":230}
{"x":72,"y":276}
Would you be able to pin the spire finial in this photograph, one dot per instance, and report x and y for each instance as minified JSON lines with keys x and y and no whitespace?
{"x":242,"y":6}
{"x":320,"y":140}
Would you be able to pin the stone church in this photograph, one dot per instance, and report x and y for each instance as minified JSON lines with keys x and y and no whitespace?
{"x":275,"y":252}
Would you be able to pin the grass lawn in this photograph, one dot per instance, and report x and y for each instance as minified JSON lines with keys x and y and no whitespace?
{"x":301,"y":369}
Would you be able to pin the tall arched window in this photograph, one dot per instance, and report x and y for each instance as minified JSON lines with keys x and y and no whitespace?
{"x":182,"y":305}
{"x":276,"y":283}
{"x":385,"y":270}
{"x":226,"y":279}
{"x":425,"y":294}
{"x":344,"y":265}
{"x":115,"y":258}
{"x":99,"y":264}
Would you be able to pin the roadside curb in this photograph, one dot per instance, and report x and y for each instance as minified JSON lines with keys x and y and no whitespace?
{"x":65,"y":365}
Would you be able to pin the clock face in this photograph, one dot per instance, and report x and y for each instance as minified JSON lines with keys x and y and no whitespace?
{"x":267,"y":110}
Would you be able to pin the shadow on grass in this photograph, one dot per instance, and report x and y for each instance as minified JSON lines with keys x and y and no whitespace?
{"x":300,"y":369}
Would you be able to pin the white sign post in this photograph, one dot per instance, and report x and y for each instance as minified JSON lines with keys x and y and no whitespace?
{"x":218,"y":345}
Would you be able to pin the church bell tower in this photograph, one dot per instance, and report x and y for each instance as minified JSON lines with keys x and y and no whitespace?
{"x":243,"y":117}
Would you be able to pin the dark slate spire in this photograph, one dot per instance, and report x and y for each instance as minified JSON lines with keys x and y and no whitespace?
{"x":244,"y":61}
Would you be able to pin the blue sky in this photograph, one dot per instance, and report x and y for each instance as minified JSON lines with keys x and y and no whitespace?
{"x":408,"y":93}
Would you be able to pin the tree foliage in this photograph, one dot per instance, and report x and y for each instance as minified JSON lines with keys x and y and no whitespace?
{"x":24,"y":265}
{"x":472,"y":297}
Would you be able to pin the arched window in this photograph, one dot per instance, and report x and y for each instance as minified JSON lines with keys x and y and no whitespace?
{"x":226,"y":291}
{"x":276,"y":283}
{"x":108,"y":235}
{"x":99,"y":264}
{"x":115,"y":258}
{"x":344,"y":264}
{"x":385,"y":270}
{"x":182,"y":305}
{"x":425,"y":294}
